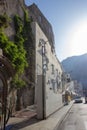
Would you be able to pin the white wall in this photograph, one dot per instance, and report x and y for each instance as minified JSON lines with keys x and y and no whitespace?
{"x":53,"y":85}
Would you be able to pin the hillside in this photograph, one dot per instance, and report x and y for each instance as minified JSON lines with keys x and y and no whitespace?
{"x":77,"y":67}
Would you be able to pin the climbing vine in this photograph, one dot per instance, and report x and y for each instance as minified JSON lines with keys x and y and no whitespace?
{"x":21,"y":49}
{"x":4,"y":21}
{"x":21,"y":61}
{"x":29,"y":43}
{"x":14,"y":51}
{"x":27,"y":31}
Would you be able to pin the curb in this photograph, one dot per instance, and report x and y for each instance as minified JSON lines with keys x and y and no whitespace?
{"x":62,"y":118}
{"x":45,"y":123}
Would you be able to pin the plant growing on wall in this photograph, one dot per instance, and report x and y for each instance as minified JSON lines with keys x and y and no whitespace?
{"x":14,"y":51}
{"x":29,"y":44}
{"x":21,"y":61}
{"x":27,"y":31}
{"x":24,"y":36}
{"x":4,"y":21}
{"x":21,"y":48}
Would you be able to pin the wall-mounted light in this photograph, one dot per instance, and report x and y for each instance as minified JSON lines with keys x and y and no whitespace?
{"x":41,"y":41}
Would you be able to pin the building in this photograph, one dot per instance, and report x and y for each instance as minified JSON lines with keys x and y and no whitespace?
{"x":78,"y":88}
{"x":48,"y":89}
{"x":37,"y":16}
{"x":44,"y":74}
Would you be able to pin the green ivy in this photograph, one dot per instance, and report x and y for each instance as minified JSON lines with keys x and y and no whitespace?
{"x":21,"y":61}
{"x":4,"y":21}
{"x":15,"y":51}
{"x":27,"y":30}
{"x":29,"y":44}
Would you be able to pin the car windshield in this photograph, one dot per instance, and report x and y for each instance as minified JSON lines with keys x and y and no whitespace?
{"x":78,"y":97}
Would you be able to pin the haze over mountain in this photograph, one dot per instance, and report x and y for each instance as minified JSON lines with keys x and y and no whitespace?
{"x":77,"y":67}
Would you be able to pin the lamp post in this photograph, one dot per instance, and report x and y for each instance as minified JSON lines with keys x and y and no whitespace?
{"x":42,"y":43}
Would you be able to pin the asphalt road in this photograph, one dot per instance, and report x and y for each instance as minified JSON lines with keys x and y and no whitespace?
{"x":76,"y":119}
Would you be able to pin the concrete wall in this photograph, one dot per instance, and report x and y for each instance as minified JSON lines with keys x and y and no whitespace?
{"x":40,"y":98}
{"x":53,"y":83}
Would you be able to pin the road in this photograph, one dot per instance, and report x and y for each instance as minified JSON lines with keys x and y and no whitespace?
{"x":76,"y":119}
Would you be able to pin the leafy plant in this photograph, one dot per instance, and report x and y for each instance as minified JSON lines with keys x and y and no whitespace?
{"x":4,"y":21}
{"x":15,"y":51}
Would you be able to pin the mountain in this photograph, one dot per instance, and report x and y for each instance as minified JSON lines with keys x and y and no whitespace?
{"x":77,"y":67}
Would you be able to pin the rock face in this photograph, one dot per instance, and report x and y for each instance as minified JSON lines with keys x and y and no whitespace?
{"x":77,"y":67}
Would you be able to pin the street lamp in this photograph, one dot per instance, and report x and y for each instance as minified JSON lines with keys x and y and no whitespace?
{"x":42,"y":43}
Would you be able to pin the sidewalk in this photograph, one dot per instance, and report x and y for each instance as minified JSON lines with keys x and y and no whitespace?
{"x":50,"y":123}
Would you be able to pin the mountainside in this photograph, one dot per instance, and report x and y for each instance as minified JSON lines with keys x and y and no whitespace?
{"x":77,"y":67}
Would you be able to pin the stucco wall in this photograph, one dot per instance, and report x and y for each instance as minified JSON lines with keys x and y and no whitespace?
{"x":53,"y":93}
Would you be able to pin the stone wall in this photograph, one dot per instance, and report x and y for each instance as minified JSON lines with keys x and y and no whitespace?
{"x":12,"y":7}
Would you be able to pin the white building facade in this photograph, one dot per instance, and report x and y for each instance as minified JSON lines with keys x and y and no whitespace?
{"x":48,"y":89}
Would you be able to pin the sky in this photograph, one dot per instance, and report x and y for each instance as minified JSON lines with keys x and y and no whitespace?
{"x":69,"y":22}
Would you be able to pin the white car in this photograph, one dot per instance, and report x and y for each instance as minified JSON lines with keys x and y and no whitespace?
{"x":78,"y":99}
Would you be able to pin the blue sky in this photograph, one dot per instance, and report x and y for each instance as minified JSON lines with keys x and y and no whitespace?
{"x":69,"y":22}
